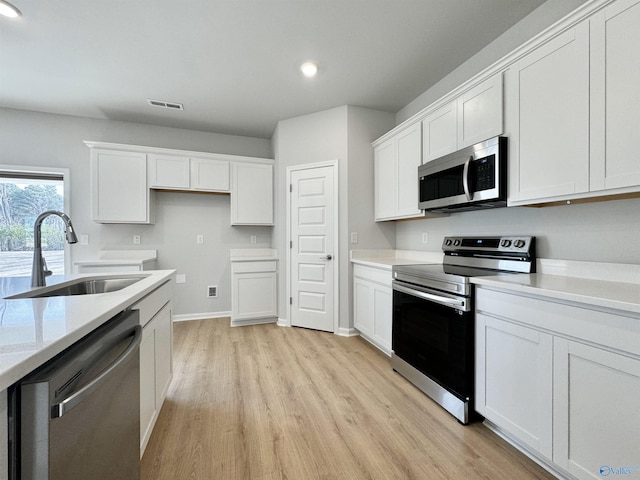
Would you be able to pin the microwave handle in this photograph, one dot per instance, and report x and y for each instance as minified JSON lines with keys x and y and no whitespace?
{"x":465,"y":179}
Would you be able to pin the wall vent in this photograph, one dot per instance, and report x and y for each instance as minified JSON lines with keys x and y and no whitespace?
{"x":212,"y":291}
{"x":163,"y":104}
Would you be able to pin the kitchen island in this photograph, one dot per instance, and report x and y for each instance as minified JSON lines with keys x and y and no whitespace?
{"x":35,"y":330}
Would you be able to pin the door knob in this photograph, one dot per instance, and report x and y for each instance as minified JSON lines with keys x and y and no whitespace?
{"x":328,"y":257}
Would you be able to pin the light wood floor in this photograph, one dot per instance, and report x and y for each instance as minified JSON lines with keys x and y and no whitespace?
{"x":266,"y":402}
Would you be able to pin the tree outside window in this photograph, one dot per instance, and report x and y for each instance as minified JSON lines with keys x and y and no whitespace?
{"x":22,"y":199}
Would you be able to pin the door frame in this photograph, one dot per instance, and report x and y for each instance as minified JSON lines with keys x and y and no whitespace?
{"x":336,"y":236}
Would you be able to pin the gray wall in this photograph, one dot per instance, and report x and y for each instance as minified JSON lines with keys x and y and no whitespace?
{"x":343,"y":134}
{"x":39,"y":139}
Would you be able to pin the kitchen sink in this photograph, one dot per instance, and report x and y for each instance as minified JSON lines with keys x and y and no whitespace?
{"x":82,"y":286}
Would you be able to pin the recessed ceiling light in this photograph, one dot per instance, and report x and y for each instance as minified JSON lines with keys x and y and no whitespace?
{"x":309,"y":69}
{"x":9,"y":10}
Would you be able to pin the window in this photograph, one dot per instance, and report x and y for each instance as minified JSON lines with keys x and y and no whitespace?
{"x":23,"y":196}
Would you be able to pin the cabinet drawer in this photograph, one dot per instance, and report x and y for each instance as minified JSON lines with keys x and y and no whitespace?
{"x":153,"y":302}
{"x":611,"y":330}
{"x":254,"y":267}
{"x":372,"y":274}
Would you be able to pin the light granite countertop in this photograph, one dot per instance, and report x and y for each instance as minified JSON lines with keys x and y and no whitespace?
{"x":32,"y":331}
{"x":595,"y":284}
{"x":386,"y":259}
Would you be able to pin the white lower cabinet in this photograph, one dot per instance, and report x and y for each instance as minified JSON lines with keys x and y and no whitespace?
{"x":513,"y":381}
{"x":562,"y":381}
{"x":156,"y":358}
{"x":596,"y":413}
{"x":254,"y":292}
{"x":372,"y":300}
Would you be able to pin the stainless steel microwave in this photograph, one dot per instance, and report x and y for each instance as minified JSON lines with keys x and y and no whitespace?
{"x":473,"y":178}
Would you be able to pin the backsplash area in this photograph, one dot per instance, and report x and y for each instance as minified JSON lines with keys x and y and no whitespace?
{"x":596,"y":232}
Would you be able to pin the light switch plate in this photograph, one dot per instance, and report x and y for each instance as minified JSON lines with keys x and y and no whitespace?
{"x":181,"y":278}
{"x":354,"y":237}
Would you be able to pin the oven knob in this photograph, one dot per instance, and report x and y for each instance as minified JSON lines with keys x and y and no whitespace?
{"x":518,"y":243}
{"x":456,"y":243}
{"x":506,"y":243}
{"x":448,"y":242}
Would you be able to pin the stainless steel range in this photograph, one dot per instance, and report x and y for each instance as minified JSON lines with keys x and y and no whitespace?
{"x":433,"y":315}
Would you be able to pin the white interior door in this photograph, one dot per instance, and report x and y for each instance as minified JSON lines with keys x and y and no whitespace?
{"x":313,"y":229}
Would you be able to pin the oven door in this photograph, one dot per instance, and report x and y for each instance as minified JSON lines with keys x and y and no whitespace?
{"x":433,"y":332}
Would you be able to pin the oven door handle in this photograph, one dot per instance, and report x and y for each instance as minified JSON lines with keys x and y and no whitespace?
{"x":449,"y":302}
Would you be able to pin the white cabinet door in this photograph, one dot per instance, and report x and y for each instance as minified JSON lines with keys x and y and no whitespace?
{"x":596,"y":414}
{"x":148,"y":411}
{"x":363,"y":306}
{"x":254,"y":291}
{"x":514,"y":367}
{"x":251,"y":194}
{"x":615,"y":63}
{"x":168,"y":171}
{"x":382,"y":312}
{"x":372,"y":305}
{"x":440,"y":132}
{"x":209,"y":175}
{"x":163,"y":353}
{"x":385,"y":180}
{"x":549,"y":115}
{"x":396,"y":163}
{"x":480,"y":112}
{"x":119,"y":187}
{"x":409,"y":157}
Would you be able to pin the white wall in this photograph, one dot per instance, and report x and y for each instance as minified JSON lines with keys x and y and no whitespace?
{"x":343,"y":134}
{"x":39,"y":139}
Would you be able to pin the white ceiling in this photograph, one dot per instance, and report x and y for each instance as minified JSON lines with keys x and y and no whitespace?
{"x":234,"y":63}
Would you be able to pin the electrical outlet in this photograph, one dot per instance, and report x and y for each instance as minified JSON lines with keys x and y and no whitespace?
{"x":136,"y":239}
{"x":200,"y":238}
{"x":425,"y":237}
{"x":84,"y":239}
{"x":254,"y":238}
{"x":212,"y":291}
{"x":354,"y":237}
{"x":181,"y":278}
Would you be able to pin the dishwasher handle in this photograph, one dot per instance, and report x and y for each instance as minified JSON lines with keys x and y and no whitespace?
{"x":59,"y":409}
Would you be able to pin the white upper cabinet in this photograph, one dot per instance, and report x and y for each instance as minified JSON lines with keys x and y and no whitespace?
{"x":177,"y":172}
{"x":396,"y":163}
{"x":480,"y":112}
{"x":615,"y":77}
{"x":548,"y":102}
{"x":119,"y":191}
{"x":168,"y":171}
{"x":440,"y":132}
{"x":123,"y":179}
{"x":251,"y":194}
{"x":472,"y":117}
{"x":572,"y":111}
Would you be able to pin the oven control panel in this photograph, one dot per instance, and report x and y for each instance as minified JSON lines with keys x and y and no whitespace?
{"x":506,"y":244}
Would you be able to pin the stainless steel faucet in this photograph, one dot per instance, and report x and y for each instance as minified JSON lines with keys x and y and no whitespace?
{"x":39,"y":271}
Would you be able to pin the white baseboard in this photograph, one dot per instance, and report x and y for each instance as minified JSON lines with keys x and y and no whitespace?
{"x":283,"y":322}
{"x":347,"y":332}
{"x":200,"y":316}
{"x":252,"y":321}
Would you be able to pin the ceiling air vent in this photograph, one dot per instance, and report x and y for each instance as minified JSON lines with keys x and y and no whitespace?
{"x":163,"y":104}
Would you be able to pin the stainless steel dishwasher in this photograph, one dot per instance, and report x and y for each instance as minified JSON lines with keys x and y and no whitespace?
{"x":78,"y":416}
